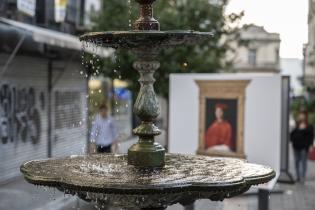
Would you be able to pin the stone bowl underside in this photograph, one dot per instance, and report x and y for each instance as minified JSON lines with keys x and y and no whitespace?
{"x":108,"y":179}
{"x":150,"y":39}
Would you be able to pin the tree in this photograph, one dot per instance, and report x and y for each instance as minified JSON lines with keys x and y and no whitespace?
{"x":201,"y":15}
{"x":299,"y":104}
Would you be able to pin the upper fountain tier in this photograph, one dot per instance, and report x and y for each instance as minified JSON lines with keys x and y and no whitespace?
{"x":151,"y":39}
{"x":146,"y":33}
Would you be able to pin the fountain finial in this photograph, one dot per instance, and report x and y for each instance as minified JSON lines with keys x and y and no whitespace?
{"x":146,"y":21}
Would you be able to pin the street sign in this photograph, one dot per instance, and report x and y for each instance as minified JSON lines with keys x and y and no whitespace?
{"x":27,"y":7}
{"x":60,"y":10}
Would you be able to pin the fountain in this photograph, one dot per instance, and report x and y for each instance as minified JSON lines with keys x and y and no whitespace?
{"x":146,"y":177}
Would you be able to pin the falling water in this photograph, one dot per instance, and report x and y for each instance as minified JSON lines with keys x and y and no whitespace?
{"x":93,"y":62}
{"x":129,"y":12}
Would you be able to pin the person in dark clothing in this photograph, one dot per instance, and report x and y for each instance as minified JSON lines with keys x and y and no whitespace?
{"x":302,"y":139}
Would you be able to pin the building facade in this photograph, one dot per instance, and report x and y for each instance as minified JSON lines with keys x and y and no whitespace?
{"x":309,"y":52}
{"x":43,"y":103}
{"x":257,"y":50}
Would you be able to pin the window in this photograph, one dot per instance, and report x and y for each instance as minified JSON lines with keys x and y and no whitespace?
{"x":277,"y":56}
{"x":252,"y":57}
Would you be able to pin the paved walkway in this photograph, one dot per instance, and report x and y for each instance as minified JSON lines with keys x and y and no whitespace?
{"x":20,"y":195}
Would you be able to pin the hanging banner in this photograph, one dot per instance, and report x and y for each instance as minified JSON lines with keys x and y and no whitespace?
{"x":60,"y":10}
{"x":27,"y":7}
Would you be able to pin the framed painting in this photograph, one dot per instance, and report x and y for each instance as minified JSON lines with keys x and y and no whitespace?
{"x":221,"y":117}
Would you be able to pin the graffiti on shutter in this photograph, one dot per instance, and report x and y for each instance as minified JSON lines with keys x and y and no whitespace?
{"x":19,"y":114}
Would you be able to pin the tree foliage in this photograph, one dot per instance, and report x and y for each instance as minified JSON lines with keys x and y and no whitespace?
{"x":200,"y":15}
{"x":301,"y":104}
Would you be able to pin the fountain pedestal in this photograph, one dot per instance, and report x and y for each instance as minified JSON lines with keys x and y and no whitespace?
{"x":147,"y":152}
{"x":146,"y":178}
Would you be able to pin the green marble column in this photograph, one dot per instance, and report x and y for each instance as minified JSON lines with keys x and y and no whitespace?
{"x":147,"y":152}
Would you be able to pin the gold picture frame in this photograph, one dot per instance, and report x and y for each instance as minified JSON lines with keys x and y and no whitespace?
{"x":232,"y":92}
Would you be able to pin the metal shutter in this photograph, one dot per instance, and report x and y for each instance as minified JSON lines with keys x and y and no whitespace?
{"x":23,"y":112}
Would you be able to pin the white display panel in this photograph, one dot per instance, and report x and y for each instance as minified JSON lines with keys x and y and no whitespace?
{"x":262,"y":126}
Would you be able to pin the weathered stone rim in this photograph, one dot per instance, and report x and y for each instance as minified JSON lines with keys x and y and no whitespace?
{"x":151,"y":39}
{"x":112,"y":188}
{"x":124,"y":34}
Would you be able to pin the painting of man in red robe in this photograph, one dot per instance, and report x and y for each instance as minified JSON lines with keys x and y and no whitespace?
{"x":219,"y":134}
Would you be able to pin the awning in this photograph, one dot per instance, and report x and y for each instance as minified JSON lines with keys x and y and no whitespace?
{"x":55,"y":38}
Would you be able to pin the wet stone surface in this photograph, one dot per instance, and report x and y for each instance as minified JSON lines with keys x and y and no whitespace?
{"x":138,"y":39}
{"x":108,"y":179}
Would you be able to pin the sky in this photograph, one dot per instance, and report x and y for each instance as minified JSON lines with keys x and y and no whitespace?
{"x":286,"y":17}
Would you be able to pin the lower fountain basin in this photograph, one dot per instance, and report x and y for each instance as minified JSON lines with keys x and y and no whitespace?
{"x":108,"y":179}
{"x":151,"y":39}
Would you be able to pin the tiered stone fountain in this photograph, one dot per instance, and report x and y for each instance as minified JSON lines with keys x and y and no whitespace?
{"x":146,"y":177}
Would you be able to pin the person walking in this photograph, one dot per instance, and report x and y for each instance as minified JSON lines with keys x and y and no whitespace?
{"x":302,"y":139}
{"x":103,"y":131}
